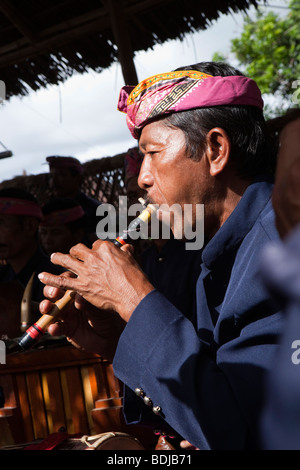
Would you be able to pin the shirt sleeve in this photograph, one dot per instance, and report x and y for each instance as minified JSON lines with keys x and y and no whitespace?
{"x":208,"y":398}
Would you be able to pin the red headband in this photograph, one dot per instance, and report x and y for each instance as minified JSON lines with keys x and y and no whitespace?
{"x":62,"y":217}
{"x":15,"y":206}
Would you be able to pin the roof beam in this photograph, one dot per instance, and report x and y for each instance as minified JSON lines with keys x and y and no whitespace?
{"x":50,"y":39}
{"x":21,"y":50}
{"x":12,"y":14}
{"x":65,"y":30}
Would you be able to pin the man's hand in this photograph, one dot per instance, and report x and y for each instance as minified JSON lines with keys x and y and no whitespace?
{"x":105,"y":276}
{"x":84,"y":325}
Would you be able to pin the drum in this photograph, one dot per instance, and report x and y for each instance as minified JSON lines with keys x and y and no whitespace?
{"x":61,"y":441}
{"x":104,"y":441}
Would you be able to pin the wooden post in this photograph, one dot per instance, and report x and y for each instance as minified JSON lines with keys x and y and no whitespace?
{"x":122,"y":39}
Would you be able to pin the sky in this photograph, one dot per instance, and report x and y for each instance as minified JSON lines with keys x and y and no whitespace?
{"x":79,"y":117}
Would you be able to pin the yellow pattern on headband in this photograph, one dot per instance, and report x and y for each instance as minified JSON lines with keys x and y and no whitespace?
{"x":148,"y":82}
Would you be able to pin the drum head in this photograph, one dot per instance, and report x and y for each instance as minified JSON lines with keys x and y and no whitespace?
{"x":119,"y":441}
{"x":104,"y":441}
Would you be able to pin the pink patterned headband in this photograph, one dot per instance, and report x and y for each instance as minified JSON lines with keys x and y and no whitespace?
{"x":183,"y":90}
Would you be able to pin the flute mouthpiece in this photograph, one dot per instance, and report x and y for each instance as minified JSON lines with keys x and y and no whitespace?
{"x":143,"y":201}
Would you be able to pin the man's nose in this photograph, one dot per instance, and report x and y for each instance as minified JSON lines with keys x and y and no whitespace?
{"x":145,"y":179}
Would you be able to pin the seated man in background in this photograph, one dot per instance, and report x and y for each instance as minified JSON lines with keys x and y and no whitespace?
{"x":66,"y":175}
{"x":63,"y":225}
{"x":21,"y":258}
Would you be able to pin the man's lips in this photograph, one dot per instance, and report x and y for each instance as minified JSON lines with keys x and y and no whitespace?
{"x":163,"y":210}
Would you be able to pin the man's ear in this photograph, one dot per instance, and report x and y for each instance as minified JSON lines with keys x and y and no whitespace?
{"x":217,"y":150}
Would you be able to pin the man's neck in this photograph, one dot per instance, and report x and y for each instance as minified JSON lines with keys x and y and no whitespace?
{"x":227,"y":202}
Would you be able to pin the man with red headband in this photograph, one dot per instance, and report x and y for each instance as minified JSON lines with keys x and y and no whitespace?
{"x":203,"y":136}
{"x":64,"y":225}
{"x":21,"y":257}
{"x":66,"y":177}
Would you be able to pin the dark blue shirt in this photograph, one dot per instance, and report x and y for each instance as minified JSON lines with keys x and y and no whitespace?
{"x":174,"y":271}
{"x":207,"y":375}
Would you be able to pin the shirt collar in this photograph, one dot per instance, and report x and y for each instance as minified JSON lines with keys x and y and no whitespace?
{"x":239,"y":223}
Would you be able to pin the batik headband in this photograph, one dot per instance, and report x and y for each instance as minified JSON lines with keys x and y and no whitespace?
{"x":62,"y":217}
{"x":15,"y":206}
{"x":183,"y":90}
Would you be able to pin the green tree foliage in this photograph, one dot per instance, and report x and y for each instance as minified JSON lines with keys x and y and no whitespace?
{"x":269,"y":52}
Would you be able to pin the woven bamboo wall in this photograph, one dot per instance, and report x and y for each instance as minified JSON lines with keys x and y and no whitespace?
{"x":103,"y":179}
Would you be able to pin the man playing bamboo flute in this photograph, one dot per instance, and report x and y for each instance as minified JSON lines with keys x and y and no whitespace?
{"x":203,"y":136}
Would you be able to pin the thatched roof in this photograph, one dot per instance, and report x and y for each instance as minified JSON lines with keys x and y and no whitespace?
{"x":44,"y":41}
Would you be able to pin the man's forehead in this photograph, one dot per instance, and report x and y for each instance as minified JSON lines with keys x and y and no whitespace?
{"x":159,"y":133}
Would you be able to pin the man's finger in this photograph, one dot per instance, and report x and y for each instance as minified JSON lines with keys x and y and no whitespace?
{"x":128,"y":249}
{"x":54,"y":293}
{"x":79,"y":251}
{"x":66,"y":261}
{"x":56,"y":329}
{"x":97,"y":244}
{"x":45,"y":306}
{"x":61,"y":282}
